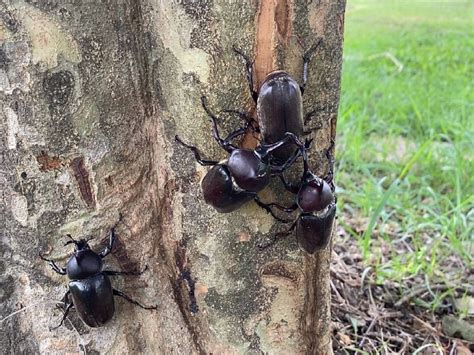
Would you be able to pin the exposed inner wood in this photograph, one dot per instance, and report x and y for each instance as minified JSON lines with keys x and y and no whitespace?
{"x":283,"y":20}
{"x":265,"y":40}
{"x":273,"y":28}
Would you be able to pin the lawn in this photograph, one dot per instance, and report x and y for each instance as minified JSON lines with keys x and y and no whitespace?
{"x":405,"y":167}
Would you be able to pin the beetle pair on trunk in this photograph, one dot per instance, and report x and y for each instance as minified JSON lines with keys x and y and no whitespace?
{"x":231,"y":183}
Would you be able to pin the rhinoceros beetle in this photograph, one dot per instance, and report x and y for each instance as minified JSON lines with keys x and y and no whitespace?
{"x":231,"y":183}
{"x":279,"y":104}
{"x":316,"y":202}
{"x":90,"y":291}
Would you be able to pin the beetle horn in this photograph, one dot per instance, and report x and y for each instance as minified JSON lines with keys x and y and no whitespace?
{"x":71,"y":242}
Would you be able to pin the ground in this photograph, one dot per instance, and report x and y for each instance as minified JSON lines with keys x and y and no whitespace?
{"x":402,"y":263}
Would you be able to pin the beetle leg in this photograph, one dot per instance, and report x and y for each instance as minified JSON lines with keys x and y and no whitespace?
{"x":329,"y":178}
{"x":66,"y":312}
{"x":306,"y":60}
{"x":288,"y":185}
{"x":125,"y":273}
{"x":265,"y":149}
{"x":66,"y":308}
{"x":278,"y":170}
{"x":277,"y":237}
{"x":290,"y":209}
{"x":267,"y":207}
{"x":54,"y":266}
{"x":247,"y":118}
{"x":124,"y":296}
{"x":110,"y":244}
{"x":249,"y":66}
{"x":197,"y":155}
{"x":65,"y":298}
{"x":215,"y":131}
{"x":112,"y":238}
{"x":234,"y":135}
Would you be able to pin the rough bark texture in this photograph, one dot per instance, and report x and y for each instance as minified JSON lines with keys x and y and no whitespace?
{"x":92,"y":94}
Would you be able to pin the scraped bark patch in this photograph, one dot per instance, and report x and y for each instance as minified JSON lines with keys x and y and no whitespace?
{"x":265,"y":40}
{"x":283,"y":20}
{"x":48,"y":162}
{"x":274,"y":27}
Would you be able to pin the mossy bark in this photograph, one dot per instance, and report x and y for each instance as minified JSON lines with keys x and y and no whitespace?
{"x":92,"y":95}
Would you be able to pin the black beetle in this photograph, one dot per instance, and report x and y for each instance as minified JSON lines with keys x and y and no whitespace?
{"x":89,"y":285}
{"x":238,"y":179}
{"x":317,"y":204}
{"x":279,"y":104}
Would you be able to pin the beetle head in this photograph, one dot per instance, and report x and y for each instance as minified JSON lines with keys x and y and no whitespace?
{"x":219,"y":190}
{"x":249,"y":171}
{"x":314,"y":195}
{"x":84,"y":262}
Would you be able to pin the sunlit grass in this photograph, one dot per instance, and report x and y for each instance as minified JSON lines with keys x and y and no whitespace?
{"x":405,"y":154}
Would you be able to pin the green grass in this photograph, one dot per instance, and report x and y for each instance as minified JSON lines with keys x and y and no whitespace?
{"x":405,"y":154}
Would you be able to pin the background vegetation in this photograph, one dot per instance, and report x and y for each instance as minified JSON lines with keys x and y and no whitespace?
{"x":405,"y":146}
{"x":406,"y":125}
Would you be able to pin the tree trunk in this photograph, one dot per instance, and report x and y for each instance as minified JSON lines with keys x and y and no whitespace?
{"x":92,"y":94}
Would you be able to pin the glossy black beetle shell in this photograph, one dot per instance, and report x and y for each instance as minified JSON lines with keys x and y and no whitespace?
{"x":314,"y":232}
{"x":250,"y":173}
{"x":220,"y":192}
{"x":280,"y":110}
{"x":314,"y":195}
{"x":93,"y":299}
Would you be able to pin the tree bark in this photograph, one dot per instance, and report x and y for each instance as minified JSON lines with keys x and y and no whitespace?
{"x":92,"y":95}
